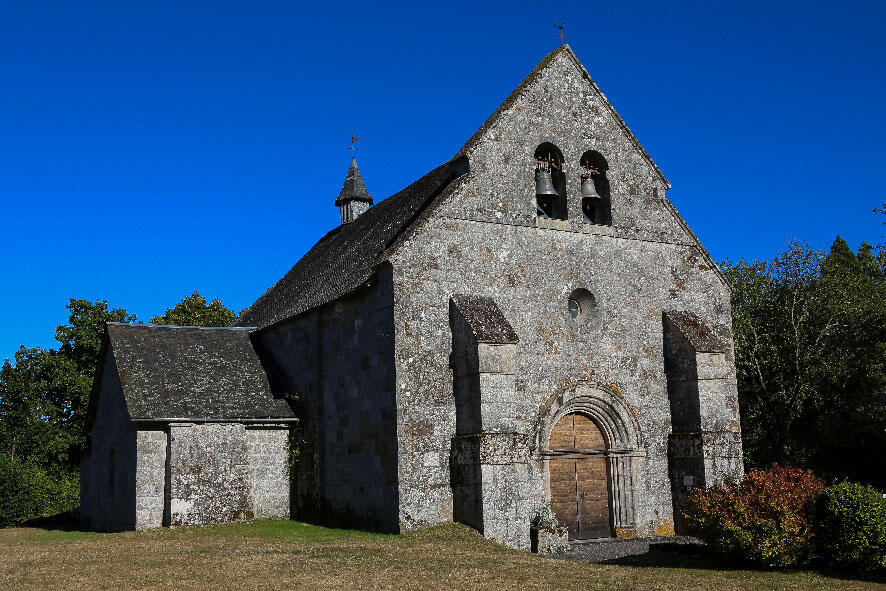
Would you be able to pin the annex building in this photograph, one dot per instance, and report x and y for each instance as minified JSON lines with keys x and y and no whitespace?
{"x":531,"y":320}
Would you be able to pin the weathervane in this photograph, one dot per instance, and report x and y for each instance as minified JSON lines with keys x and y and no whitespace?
{"x":354,"y":147}
{"x":561,"y":30}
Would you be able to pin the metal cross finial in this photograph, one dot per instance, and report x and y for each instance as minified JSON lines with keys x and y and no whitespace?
{"x":354,"y":147}
{"x":561,"y":30}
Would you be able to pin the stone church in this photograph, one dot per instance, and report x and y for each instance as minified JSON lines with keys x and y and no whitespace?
{"x":531,"y":321}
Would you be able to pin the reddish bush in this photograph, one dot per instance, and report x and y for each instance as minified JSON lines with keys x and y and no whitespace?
{"x":766,"y":519}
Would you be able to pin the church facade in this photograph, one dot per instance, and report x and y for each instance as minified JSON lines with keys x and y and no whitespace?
{"x":530,"y":322}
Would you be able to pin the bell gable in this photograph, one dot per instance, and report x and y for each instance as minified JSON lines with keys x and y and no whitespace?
{"x":557,"y":155}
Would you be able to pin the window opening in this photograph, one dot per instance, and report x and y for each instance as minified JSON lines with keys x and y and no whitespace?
{"x":574,"y":308}
{"x":582,"y":306}
{"x":589,"y":211}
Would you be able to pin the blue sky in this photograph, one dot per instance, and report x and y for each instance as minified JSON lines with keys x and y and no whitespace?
{"x":148,"y":150}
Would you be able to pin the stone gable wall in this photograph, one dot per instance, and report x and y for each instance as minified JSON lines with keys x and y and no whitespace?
{"x":99,"y":509}
{"x":563,"y":108}
{"x":485,"y":240}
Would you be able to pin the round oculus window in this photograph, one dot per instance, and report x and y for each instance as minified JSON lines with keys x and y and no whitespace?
{"x":582,"y":305}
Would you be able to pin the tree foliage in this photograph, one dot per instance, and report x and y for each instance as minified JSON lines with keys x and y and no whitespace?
{"x":194,"y":310}
{"x":44,"y":395}
{"x":27,"y":490}
{"x":810,"y":337}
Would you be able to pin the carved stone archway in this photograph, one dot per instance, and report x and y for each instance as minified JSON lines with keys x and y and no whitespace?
{"x":618,"y":423}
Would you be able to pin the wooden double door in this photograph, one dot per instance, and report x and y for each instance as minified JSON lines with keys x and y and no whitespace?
{"x":579,"y":479}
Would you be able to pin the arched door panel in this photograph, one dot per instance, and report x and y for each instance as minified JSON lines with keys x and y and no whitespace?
{"x":578,"y":477}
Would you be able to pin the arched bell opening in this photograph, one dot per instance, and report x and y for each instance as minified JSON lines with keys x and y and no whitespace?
{"x":596,"y":204}
{"x":579,"y":477}
{"x":550,"y":182}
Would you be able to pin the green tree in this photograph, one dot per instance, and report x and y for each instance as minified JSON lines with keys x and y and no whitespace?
{"x":194,"y":310}
{"x":44,"y":395}
{"x":810,"y":336}
{"x":35,"y":405}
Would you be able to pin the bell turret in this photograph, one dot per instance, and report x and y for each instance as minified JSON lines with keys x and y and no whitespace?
{"x":354,"y":199}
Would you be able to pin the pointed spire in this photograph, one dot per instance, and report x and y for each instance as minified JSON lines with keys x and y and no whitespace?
{"x":353,"y":189}
{"x":354,"y":199}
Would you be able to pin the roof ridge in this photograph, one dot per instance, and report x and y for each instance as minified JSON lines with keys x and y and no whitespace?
{"x":344,"y":259}
{"x":152,"y":325}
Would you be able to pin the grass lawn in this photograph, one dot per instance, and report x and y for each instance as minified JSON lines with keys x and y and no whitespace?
{"x":289,"y":555}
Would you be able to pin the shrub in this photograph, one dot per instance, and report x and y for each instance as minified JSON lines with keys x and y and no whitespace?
{"x":16,"y":501}
{"x":765,"y":519}
{"x":27,"y":491}
{"x":851,"y":526}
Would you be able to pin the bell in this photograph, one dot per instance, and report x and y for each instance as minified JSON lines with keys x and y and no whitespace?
{"x":544,"y":185}
{"x":588,"y":190}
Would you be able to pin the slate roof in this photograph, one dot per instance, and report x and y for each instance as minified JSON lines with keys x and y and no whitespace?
{"x":486,"y":319}
{"x":353,"y":188}
{"x":192,"y":373}
{"x":346,"y":257}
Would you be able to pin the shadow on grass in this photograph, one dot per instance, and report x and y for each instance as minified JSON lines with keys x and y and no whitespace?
{"x":67,"y":521}
{"x":698,"y":556}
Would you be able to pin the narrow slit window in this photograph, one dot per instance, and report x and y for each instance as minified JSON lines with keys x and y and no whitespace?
{"x":112,"y":473}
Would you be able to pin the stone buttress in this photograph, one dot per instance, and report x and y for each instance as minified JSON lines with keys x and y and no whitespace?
{"x":489,"y":452}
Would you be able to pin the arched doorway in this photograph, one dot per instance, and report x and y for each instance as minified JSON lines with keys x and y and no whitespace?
{"x":579,"y":477}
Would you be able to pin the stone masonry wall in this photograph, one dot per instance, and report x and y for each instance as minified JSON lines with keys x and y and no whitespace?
{"x":152,"y":445}
{"x":209,"y":474}
{"x":338,"y":360}
{"x":106,"y":506}
{"x":268,"y":456}
{"x":484,"y":239}
{"x":198,"y":474}
{"x":179,"y":474}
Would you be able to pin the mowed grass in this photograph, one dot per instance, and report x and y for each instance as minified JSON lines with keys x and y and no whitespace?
{"x":290,"y":555}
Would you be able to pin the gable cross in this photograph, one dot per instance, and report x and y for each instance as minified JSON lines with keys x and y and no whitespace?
{"x":561,"y":31}
{"x":354,"y":147}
